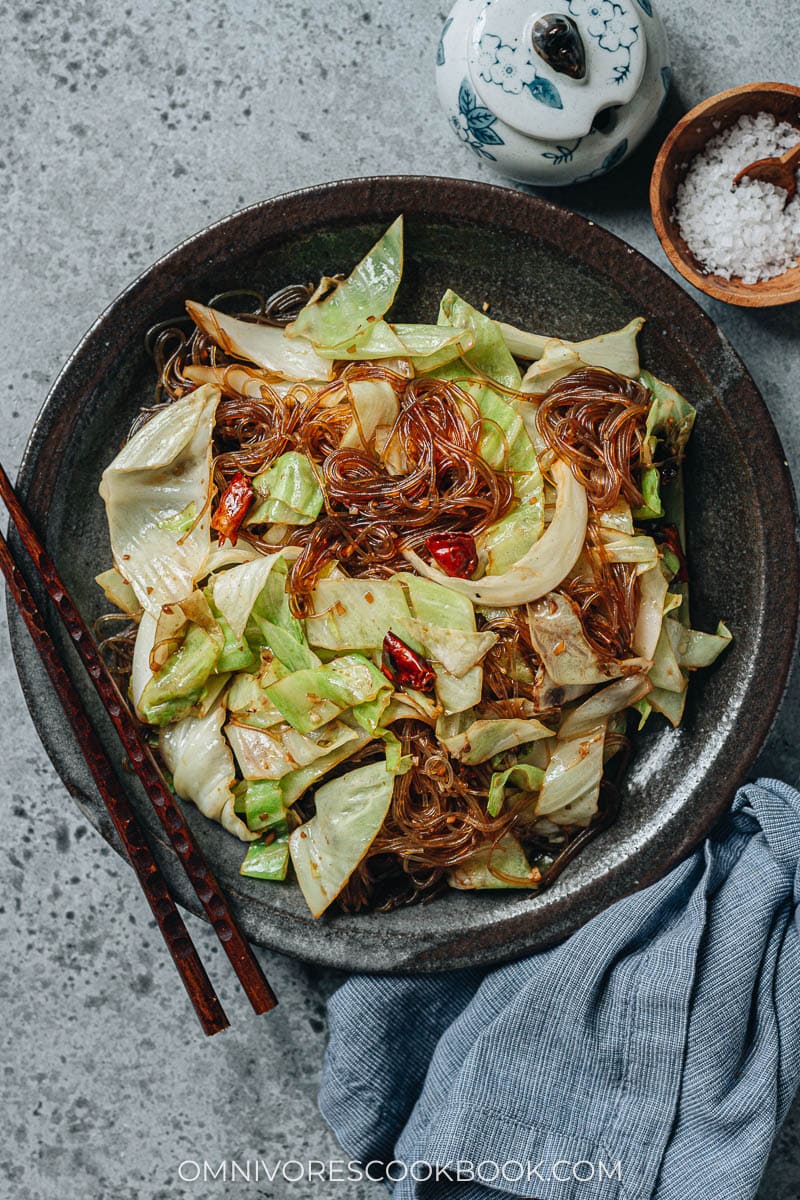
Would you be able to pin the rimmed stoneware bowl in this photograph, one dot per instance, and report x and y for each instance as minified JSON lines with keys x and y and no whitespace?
{"x":688,"y":139}
{"x":540,"y":267}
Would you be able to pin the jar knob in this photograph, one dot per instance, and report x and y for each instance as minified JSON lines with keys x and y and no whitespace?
{"x":557,"y":40}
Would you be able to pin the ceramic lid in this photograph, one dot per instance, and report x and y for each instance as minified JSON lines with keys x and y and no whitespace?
{"x":548,"y":68}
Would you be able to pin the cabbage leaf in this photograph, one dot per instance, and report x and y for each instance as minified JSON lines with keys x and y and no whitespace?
{"x":294,"y":785}
{"x":237,"y":379}
{"x":287,"y":493}
{"x":261,"y":801}
{"x":665,"y":673}
{"x":525,"y":776}
{"x":543,"y":567}
{"x":616,"y":351}
{"x":506,"y":445}
{"x":486,"y":738}
{"x":426,"y":345}
{"x":670,"y":704}
{"x":265,"y":345}
{"x":375,"y":406}
{"x":637,"y":549}
{"x":438,"y":605}
{"x":173,"y":691}
{"x":696,"y":649}
{"x":652,"y":597}
{"x":252,"y":598}
{"x":249,"y":704}
{"x":201,"y":764}
{"x":456,"y":651}
{"x":489,"y":355}
{"x":326,"y":850}
{"x":560,"y":642}
{"x":268,"y":860}
{"x":355,"y":614}
{"x":603,"y":704}
{"x":571,"y":787}
{"x":174,"y":658}
{"x":507,"y":856}
{"x":342,"y":311}
{"x":277,"y":751}
{"x":309,"y":699}
{"x":671,"y":417}
{"x":118,"y":592}
{"x":165,"y":467}
{"x":235,"y":591}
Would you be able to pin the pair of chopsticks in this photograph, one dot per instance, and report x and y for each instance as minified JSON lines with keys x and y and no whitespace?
{"x":184,"y":954}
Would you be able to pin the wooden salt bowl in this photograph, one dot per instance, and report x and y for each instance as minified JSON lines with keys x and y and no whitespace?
{"x":685,"y":141}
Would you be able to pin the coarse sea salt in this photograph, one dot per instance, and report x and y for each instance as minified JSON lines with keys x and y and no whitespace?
{"x":744,"y":231}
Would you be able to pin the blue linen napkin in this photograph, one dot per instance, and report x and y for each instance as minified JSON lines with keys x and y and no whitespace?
{"x":652,"y":1055}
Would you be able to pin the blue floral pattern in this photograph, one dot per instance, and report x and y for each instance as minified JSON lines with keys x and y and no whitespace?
{"x":440,"y":58}
{"x":508,"y":66}
{"x":545,"y":91}
{"x":610,"y":161}
{"x":474,"y":123}
{"x":511,"y":68}
{"x":562,"y":154}
{"x":612,"y":27}
{"x":616,"y":156}
{"x":565,"y":154}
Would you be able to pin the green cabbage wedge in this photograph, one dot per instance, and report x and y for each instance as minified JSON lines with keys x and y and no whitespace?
{"x":326,"y":850}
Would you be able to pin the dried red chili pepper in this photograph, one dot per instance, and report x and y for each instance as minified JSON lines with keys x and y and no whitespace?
{"x":455,"y":553}
{"x":234,"y":505}
{"x":403,"y":667}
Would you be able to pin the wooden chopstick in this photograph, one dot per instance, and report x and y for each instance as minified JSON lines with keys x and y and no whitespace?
{"x":191,"y":970}
{"x":206,"y":887}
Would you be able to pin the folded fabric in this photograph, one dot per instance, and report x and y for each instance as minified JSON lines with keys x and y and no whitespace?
{"x":652,"y":1054}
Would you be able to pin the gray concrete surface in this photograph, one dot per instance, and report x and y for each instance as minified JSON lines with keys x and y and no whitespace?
{"x":126,"y":127}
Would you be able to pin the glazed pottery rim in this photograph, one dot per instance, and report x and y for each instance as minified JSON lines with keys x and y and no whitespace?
{"x":445,"y":199}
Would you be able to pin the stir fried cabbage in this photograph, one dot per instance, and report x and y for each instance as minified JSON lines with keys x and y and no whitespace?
{"x":452,"y":589}
{"x":157,"y":494}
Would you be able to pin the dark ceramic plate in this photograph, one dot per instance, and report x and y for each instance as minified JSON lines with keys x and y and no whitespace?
{"x":543,"y":268}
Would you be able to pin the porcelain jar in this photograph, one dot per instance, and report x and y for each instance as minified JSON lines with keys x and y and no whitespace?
{"x":556,"y":92}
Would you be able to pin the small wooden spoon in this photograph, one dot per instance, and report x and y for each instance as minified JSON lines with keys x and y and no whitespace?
{"x":778,"y":171}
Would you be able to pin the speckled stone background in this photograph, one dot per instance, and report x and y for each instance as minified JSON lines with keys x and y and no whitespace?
{"x":125,"y":128}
